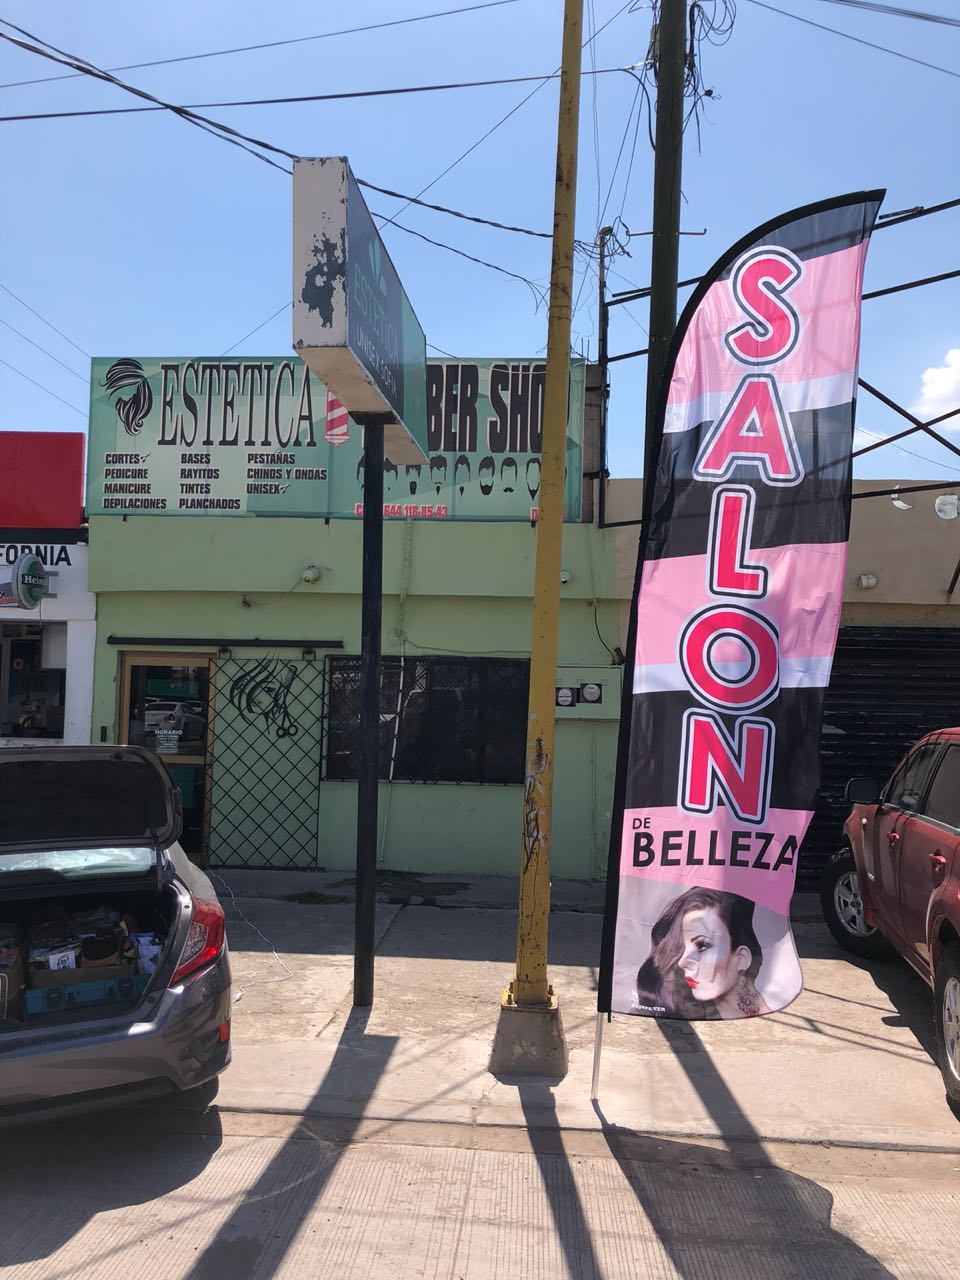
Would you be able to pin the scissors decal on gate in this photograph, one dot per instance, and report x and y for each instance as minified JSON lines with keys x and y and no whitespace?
{"x":264,"y":692}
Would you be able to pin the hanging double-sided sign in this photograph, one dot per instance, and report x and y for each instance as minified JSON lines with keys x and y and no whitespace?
{"x":28,"y":583}
{"x":734,"y":622}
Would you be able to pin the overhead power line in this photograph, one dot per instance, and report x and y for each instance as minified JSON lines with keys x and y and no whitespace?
{"x":894,"y":11}
{"x":298,"y":99}
{"x":185,"y":112}
{"x":32,"y":44}
{"x":286,"y":307}
{"x":45,"y":321}
{"x":503,"y":119}
{"x":634,"y":295}
{"x":14,"y":368}
{"x":235,"y":136}
{"x":13,"y":329}
{"x":884,"y":440}
{"x":454,"y":213}
{"x":270,"y":44}
{"x":896,"y":53}
{"x":439,"y":244}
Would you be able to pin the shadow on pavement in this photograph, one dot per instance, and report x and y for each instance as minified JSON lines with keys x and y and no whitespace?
{"x":910,"y":996}
{"x":290,"y":1185}
{"x":61,"y":1174}
{"x":573,"y":1231}
{"x":733,"y":1211}
{"x":893,"y":977}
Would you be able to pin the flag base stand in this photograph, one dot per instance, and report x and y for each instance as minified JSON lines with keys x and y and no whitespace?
{"x":529,"y":1040}
{"x":597,"y":1046}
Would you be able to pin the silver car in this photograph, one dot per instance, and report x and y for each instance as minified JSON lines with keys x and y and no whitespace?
{"x":114,"y":974}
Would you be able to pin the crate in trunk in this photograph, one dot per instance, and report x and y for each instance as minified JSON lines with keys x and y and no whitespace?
{"x":59,"y":999}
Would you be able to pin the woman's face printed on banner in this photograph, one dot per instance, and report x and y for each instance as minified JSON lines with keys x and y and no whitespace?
{"x":703,"y":959}
{"x":710,"y":964}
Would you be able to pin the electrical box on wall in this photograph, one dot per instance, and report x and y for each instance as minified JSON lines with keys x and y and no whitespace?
{"x":588,"y":693}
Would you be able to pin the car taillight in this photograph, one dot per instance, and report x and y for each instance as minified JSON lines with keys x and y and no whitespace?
{"x":204,"y":939}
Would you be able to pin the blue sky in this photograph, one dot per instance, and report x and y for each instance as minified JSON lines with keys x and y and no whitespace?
{"x":140,"y":234}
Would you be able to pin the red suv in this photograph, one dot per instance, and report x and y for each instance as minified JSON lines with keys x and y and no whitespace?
{"x":896,"y":879}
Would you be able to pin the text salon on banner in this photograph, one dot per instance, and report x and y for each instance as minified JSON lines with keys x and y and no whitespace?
{"x":734,"y":624}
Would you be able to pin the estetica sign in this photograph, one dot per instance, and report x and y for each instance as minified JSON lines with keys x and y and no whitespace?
{"x":264,"y":436}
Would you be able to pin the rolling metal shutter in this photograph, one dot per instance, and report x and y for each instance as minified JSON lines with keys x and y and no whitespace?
{"x":890,"y":686}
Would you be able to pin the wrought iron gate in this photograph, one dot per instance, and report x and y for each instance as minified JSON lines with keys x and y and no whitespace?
{"x":263,"y":763}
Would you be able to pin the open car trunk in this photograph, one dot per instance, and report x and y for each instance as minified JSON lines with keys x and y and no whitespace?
{"x":89,"y":907}
{"x":80,"y":956}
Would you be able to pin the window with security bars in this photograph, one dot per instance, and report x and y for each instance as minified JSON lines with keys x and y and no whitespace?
{"x":441,"y":719}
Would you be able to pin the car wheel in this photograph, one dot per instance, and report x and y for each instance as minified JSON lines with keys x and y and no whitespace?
{"x":946,"y":994}
{"x":843,"y":908}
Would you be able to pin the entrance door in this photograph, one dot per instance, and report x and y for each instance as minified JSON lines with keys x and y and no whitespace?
{"x":165,"y":702}
{"x":265,"y":753}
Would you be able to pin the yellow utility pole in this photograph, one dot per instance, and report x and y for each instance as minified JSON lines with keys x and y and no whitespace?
{"x":535,"y":1043}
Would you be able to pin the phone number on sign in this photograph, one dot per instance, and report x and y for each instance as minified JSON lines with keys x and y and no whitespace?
{"x":409,"y":509}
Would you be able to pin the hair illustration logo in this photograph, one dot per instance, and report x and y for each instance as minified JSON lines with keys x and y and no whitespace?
{"x":125,"y":375}
{"x":263,"y":694}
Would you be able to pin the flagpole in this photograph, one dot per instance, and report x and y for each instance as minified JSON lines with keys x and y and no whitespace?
{"x":597,"y":1046}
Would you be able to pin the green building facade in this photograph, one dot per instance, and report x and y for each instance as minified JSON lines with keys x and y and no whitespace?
{"x":189,"y":608}
{"x":229,"y":641}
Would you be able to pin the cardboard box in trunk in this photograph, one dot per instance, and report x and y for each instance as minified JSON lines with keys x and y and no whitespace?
{"x":86,"y":973}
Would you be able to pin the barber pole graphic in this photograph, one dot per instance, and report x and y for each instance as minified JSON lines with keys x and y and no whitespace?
{"x":734,"y":623}
{"x":337,"y":430}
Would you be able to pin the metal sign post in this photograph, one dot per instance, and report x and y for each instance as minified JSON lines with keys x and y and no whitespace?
{"x":354,"y":327}
{"x":368,"y":780}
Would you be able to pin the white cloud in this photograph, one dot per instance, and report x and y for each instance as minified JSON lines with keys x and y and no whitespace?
{"x":940,"y":388}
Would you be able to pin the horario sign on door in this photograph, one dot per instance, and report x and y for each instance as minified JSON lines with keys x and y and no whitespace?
{"x":734,"y":622}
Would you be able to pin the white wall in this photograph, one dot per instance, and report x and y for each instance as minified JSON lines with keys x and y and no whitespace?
{"x":75,"y":606}
{"x":81,"y":645}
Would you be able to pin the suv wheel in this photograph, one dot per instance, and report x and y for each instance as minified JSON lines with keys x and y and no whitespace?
{"x":843,"y":908}
{"x":946,"y":995}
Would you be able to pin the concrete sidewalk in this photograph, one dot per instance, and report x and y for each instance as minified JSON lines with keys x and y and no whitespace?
{"x":811,"y":1145}
{"x":849,"y":1062}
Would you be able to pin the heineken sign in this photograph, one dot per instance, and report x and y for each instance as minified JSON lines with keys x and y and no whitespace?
{"x":27,"y":585}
